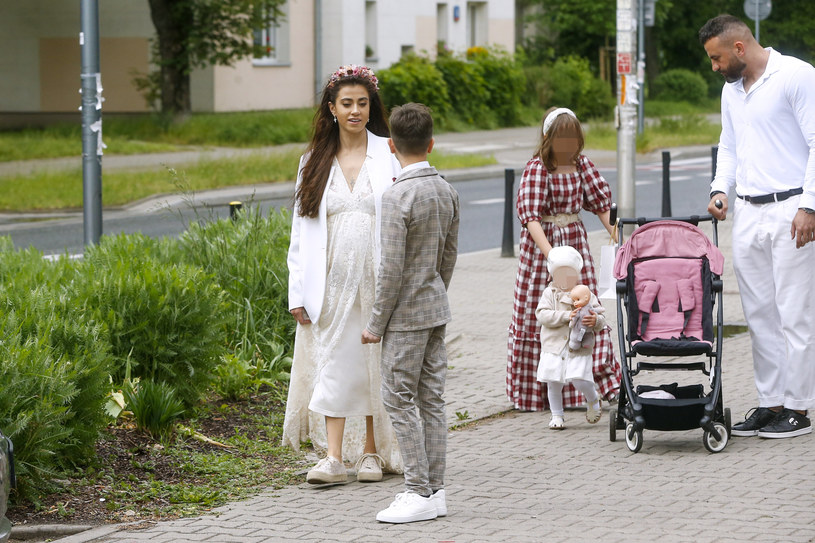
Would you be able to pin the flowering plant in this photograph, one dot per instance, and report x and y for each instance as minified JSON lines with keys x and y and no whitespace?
{"x":352,"y":70}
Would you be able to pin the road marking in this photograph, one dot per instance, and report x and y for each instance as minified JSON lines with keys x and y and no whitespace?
{"x":487,"y":201}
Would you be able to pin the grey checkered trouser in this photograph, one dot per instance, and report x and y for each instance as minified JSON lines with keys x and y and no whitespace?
{"x":414,"y":368}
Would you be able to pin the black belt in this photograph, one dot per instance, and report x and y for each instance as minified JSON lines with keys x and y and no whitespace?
{"x":774,"y":197}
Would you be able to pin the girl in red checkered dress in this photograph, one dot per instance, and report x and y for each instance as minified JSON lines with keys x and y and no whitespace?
{"x":557,"y":183}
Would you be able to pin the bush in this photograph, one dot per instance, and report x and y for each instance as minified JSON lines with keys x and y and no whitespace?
{"x":247,"y":257}
{"x":55,"y":366}
{"x":415,"y":79}
{"x":154,"y":406}
{"x":506,"y":83}
{"x":471,"y":96}
{"x":680,"y":85}
{"x":166,"y":319}
{"x":571,"y":84}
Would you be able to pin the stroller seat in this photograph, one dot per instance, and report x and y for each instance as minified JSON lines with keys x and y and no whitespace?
{"x":668,"y":305}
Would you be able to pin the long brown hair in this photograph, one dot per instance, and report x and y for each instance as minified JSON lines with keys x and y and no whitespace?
{"x":563,"y":126}
{"x":325,"y":142}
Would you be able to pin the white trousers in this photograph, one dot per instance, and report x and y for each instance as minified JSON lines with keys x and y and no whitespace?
{"x":777,"y":287}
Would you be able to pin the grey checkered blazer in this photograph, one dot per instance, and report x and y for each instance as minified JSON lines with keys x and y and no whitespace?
{"x":419,"y":240}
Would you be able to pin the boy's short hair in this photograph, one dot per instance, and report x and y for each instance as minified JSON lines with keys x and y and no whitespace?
{"x":411,"y":128}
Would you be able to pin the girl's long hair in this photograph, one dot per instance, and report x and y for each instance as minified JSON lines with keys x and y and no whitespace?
{"x":562,"y":126}
{"x":325,"y":142}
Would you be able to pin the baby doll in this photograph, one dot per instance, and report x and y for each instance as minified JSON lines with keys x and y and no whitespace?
{"x":581,"y":335}
{"x":559,"y":364}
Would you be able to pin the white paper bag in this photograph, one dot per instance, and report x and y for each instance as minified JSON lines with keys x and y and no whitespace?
{"x":606,"y":284}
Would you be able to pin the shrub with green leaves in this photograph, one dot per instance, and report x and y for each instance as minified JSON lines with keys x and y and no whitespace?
{"x":155,"y":407}
{"x":572,"y":84}
{"x":506,"y":83}
{"x":470,"y":98}
{"x":54,"y":367}
{"x":414,"y":79}
{"x":247,"y":257}
{"x":680,"y":85}
{"x":167,"y":319}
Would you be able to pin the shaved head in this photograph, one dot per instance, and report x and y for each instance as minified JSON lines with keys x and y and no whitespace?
{"x":727,"y":28}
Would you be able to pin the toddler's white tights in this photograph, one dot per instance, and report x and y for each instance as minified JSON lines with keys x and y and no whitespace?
{"x":554,"y":391}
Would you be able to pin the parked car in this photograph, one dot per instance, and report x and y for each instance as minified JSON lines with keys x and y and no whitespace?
{"x":7,"y":482}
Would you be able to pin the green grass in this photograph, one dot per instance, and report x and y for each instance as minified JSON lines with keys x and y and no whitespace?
{"x":34,"y":144}
{"x":63,"y":190}
{"x":149,"y":134}
{"x":666,"y":132}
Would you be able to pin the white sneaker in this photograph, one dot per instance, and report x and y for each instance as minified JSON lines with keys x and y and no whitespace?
{"x":328,"y":470}
{"x":556,"y":423}
{"x":408,"y":507}
{"x":369,"y":468}
{"x":439,"y":498}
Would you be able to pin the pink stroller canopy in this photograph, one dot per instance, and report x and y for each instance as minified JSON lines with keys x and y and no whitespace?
{"x":667,"y":239}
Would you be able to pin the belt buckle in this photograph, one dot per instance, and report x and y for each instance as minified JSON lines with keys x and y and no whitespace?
{"x":562,"y":220}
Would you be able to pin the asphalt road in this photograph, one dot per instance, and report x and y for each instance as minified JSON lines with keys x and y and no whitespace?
{"x":482,"y":209}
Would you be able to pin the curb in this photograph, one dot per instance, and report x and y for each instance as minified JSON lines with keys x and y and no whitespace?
{"x":67,"y":533}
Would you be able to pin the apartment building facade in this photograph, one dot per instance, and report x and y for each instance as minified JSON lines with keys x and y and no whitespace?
{"x":40,"y":51}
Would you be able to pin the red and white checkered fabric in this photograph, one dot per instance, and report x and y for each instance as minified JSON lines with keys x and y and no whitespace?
{"x":542,"y":194}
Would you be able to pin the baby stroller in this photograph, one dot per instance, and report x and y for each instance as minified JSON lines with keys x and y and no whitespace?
{"x":668,"y":283}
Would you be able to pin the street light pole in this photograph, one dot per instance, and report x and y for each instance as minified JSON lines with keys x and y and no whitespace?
{"x":92,"y":145}
{"x":625,"y":112}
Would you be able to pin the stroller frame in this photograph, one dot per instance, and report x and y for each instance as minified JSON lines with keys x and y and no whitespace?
{"x":691,"y":407}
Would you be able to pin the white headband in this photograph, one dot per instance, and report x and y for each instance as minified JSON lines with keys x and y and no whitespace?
{"x":547,"y":122}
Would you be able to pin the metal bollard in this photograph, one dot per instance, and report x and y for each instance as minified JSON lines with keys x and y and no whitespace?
{"x":714,"y":156}
{"x":666,"y":183}
{"x":234,"y":207}
{"x":508,"y":244}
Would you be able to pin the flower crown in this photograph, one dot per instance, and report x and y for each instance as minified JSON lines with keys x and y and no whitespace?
{"x":352,"y":70}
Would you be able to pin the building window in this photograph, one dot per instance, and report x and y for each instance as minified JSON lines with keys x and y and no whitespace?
{"x":272,"y":41}
{"x":371,"y":46}
{"x":442,"y":26}
{"x":476,"y":24}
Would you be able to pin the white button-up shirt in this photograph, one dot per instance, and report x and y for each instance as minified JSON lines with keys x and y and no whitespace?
{"x":767,"y":143}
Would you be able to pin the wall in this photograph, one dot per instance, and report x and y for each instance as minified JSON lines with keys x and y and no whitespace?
{"x":40,"y":55}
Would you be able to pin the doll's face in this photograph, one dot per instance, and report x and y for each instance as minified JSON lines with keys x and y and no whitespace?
{"x":580,"y":296}
{"x":564,"y":277}
{"x":580,"y":299}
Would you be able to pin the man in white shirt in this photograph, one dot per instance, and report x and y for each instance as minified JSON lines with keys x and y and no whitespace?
{"x":767,"y":153}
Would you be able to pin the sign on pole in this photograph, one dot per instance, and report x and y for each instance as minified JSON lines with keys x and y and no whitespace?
{"x":758,"y":10}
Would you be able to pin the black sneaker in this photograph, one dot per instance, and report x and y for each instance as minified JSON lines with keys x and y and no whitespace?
{"x":758,"y":418}
{"x":788,"y":423}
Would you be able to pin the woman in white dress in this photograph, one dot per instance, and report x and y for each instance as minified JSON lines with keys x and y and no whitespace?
{"x":333,"y":258}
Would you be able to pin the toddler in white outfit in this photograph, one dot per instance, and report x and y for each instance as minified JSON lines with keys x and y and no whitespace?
{"x":559,"y":364}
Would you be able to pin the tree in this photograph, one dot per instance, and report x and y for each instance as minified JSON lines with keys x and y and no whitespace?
{"x":196,"y":33}
{"x":572,"y":27}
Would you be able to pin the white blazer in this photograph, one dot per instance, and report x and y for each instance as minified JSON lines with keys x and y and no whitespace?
{"x":307,"y":258}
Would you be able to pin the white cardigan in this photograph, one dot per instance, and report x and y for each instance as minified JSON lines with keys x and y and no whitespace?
{"x":309,"y":236}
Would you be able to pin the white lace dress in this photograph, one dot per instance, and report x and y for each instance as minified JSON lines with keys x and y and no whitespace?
{"x":333,"y":373}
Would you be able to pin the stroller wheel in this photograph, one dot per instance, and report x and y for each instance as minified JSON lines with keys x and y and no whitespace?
{"x":633,"y":438}
{"x":612,"y":425}
{"x":711,"y":443}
